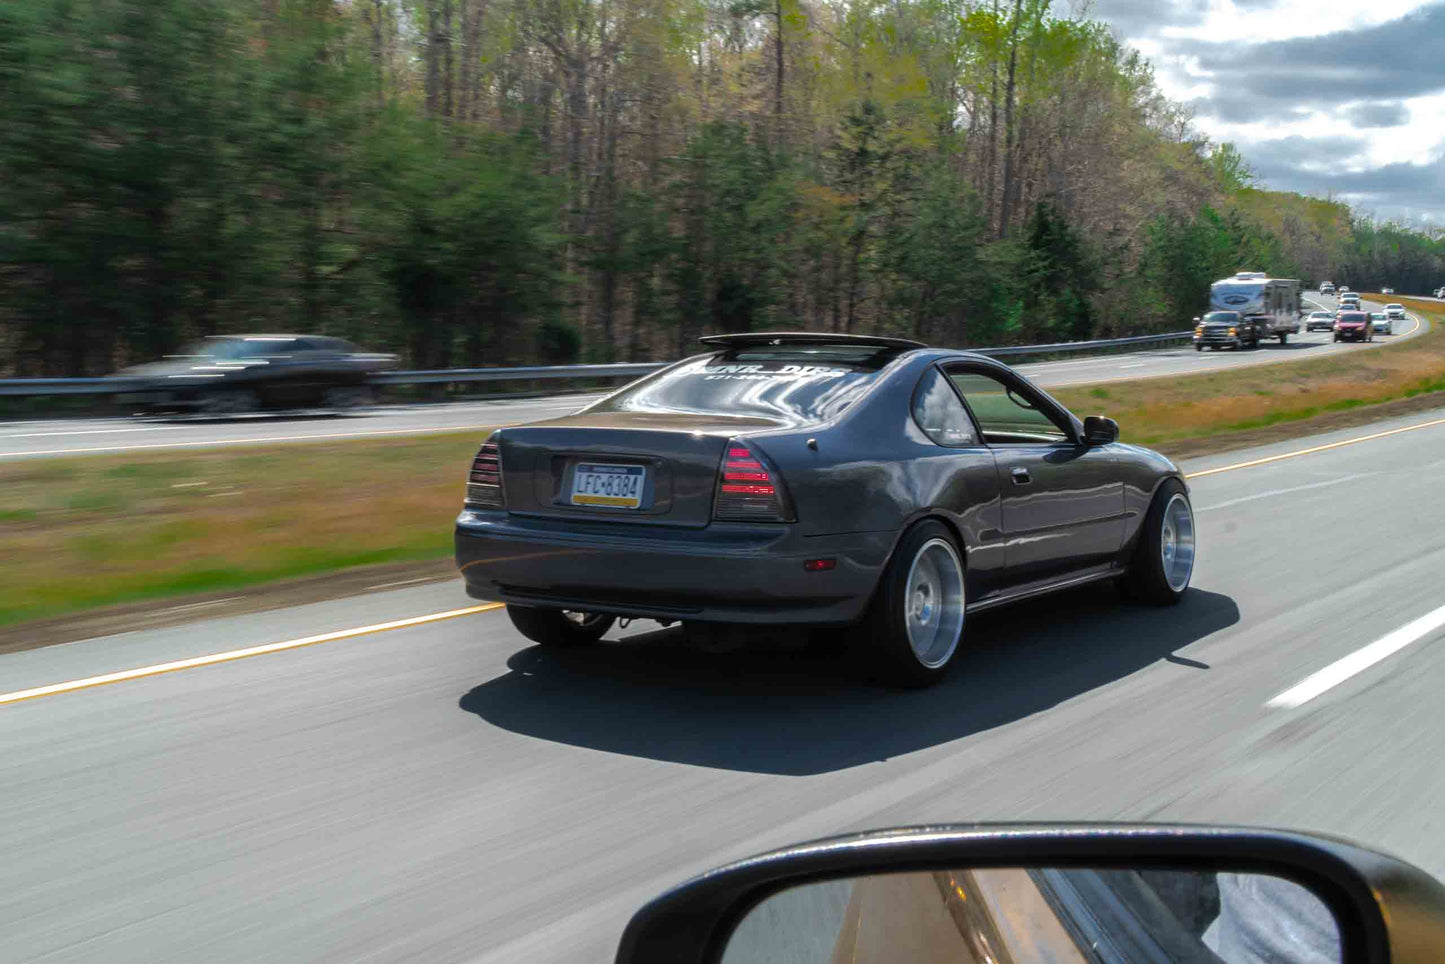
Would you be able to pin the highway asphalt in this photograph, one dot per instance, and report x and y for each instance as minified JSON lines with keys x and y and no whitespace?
{"x":443,"y":791}
{"x":40,"y":438}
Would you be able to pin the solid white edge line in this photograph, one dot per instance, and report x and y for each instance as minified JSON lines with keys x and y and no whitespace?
{"x":235,"y":654}
{"x":1358,"y":661}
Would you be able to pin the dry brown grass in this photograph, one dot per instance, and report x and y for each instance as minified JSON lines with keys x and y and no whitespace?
{"x":92,"y":531}
{"x":1157,"y":410}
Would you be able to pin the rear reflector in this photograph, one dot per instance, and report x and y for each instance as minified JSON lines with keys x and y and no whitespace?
{"x":484,"y":482}
{"x":819,"y":565}
{"x":748,"y":490}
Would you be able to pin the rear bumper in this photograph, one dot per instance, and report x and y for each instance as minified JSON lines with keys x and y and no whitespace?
{"x":725,"y":572}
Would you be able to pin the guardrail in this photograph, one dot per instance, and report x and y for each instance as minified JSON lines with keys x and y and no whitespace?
{"x":119,"y":384}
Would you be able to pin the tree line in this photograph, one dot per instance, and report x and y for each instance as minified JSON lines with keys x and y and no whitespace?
{"x":486,"y":182}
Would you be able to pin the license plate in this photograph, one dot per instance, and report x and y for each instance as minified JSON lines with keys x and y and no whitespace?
{"x":616,"y":486}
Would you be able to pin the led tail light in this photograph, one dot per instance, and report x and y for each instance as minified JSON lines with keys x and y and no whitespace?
{"x":484,"y":481}
{"x":748,"y":489}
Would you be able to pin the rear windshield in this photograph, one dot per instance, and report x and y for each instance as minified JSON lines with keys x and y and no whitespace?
{"x":1352,"y":316}
{"x":785,"y":382}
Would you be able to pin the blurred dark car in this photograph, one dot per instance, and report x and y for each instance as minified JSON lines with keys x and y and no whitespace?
{"x":235,"y":374}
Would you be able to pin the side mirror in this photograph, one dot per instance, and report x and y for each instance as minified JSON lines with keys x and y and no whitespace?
{"x":1066,"y":892}
{"x":1099,"y":430}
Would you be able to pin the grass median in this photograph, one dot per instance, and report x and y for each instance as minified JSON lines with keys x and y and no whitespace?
{"x":87,"y":532}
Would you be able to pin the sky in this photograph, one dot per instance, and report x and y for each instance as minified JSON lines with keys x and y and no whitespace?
{"x":1323,"y":97}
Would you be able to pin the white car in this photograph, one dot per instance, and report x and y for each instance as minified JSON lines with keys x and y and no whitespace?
{"x":1320,"y":321}
{"x":1393,"y":311}
{"x":1380,"y":322}
{"x":1387,"y":291}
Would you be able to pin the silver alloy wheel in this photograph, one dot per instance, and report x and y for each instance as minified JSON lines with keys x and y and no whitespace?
{"x":1176,"y":542}
{"x":933,"y":603}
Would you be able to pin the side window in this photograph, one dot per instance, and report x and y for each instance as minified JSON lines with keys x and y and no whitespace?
{"x":1003,"y":414}
{"x":940,"y":414}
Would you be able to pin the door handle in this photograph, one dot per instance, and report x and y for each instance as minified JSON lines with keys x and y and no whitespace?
{"x":1020,"y":475}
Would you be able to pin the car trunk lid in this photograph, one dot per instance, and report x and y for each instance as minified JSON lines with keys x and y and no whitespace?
{"x":636,"y":468}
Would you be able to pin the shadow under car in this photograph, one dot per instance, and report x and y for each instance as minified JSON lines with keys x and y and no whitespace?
{"x":802,"y":712}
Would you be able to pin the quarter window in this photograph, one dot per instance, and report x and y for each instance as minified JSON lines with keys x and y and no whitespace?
{"x":940,"y":414}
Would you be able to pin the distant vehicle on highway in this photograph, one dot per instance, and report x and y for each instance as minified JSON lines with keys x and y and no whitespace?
{"x":1380,"y":322}
{"x":1228,"y":329}
{"x":1395,"y":312}
{"x":1326,"y":288}
{"x":817,"y":480}
{"x":1387,"y":291}
{"x":1353,"y":326}
{"x":1350,"y":301}
{"x":235,"y":374}
{"x":1271,"y":304}
{"x":1320,"y":321}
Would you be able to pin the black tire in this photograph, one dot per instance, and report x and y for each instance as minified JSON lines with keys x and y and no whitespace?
{"x":882,"y":645}
{"x":348,"y":397}
{"x":1283,"y":337}
{"x":1337,"y":339}
{"x":1198,"y":347}
{"x":558,"y":628}
{"x":1153,"y":578}
{"x":221,"y":402}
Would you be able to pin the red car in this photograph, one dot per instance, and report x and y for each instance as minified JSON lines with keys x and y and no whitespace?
{"x":1353,"y":326}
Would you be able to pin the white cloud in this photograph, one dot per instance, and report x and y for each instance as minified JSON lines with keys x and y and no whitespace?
{"x":1226,"y":20}
{"x":1342,"y":98}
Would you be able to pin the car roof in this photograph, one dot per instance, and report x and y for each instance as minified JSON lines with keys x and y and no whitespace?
{"x":260,"y":336}
{"x":781,"y":338}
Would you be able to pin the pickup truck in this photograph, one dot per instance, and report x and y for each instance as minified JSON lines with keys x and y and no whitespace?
{"x":1229,"y":329}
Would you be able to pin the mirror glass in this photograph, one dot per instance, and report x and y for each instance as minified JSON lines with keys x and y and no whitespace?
{"x":1018,"y":915}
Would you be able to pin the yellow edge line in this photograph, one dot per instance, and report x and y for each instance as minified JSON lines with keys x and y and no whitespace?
{"x":1313,"y":449}
{"x":235,"y":654}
